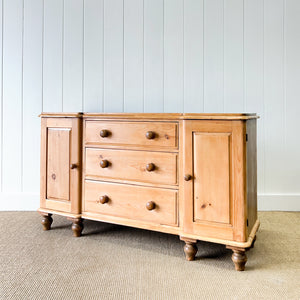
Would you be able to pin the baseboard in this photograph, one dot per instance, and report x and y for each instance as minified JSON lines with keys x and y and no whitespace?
{"x":283,"y":202}
{"x":19,"y":201}
{"x":30,"y":202}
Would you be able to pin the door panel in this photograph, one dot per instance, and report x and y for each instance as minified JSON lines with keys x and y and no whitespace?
{"x":61,"y":164}
{"x":58,"y":162}
{"x":214,"y":198}
{"x":211,"y":155}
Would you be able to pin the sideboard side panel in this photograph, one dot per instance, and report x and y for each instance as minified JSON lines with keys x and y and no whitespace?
{"x":239,"y":180}
{"x":251,"y":174}
{"x":43,"y":162}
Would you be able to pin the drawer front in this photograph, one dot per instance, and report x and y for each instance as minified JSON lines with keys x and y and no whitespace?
{"x":150,"y":134}
{"x":154,"y":205}
{"x":141,"y":166}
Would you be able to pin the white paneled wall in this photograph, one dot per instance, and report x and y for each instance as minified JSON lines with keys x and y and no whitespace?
{"x":150,"y":56}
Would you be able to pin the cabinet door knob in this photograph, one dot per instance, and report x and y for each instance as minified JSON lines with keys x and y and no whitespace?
{"x":104,"y":133}
{"x":73,"y":166}
{"x":187,"y":177}
{"x":150,"y":205}
{"x":104,"y":163}
{"x":150,"y":135}
{"x":103,"y":199}
{"x":150,"y":167}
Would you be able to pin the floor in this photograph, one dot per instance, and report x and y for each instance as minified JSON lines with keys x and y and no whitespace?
{"x":118,"y":262}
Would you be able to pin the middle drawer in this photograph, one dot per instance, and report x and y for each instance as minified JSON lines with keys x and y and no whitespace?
{"x":141,"y":166}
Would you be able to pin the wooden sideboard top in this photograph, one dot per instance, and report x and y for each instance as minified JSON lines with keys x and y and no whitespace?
{"x":156,"y":116}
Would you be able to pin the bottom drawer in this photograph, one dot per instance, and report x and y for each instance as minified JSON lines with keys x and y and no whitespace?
{"x":154,"y":205}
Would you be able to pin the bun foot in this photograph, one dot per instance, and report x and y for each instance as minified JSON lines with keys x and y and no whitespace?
{"x":47,"y":221}
{"x":190,"y":249}
{"x":239,"y":258}
{"x":77,"y":227}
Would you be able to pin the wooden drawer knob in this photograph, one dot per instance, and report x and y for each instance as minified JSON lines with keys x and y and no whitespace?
{"x":150,"y":205}
{"x":104,"y":163}
{"x":73,"y":166}
{"x":150,"y":167}
{"x":150,"y":135}
{"x":187,"y":177}
{"x":104,"y":133}
{"x":103,"y":199}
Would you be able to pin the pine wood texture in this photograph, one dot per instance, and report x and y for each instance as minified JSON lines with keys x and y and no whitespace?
{"x":251,"y":174}
{"x":132,"y":165}
{"x":132,"y":133}
{"x":225,"y":185}
{"x":61,"y":164}
{"x":58,"y":170}
{"x":132,"y":202}
{"x":211,"y":177}
{"x":171,"y":116}
{"x":193,"y":175}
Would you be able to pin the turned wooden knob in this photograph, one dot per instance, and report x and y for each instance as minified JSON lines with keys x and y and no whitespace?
{"x":150,"y":135}
{"x":104,"y":133}
{"x":187,"y":177}
{"x":104,"y":163}
{"x":150,"y":205}
{"x":103,"y":199}
{"x":150,"y":167}
{"x":73,"y":166}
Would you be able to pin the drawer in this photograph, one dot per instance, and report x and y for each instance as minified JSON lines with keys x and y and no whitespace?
{"x":150,"y":134}
{"x":141,"y":166}
{"x":154,"y":205}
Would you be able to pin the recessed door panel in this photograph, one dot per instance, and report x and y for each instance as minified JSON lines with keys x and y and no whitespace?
{"x":211,"y":156}
{"x":58,"y":163}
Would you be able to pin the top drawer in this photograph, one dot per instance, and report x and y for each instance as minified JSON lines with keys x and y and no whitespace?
{"x":150,"y":134}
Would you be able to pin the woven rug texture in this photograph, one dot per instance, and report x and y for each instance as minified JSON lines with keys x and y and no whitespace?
{"x":118,"y":262}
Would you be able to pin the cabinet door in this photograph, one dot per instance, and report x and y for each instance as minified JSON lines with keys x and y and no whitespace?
{"x":214,"y":198}
{"x":60,"y":164}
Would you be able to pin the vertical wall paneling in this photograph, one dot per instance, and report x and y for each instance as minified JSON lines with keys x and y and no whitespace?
{"x":113,"y":56}
{"x":153,"y":55}
{"x":292,"y":95}
{"x":53,"y":55}
{"x":274,"y":95}
{"x":233,"y":56}
{"x":193,"y":56}
{"x":253,"y":72}
{"x":93,"y":55}
{"x":32,"y":92}
{"x":1,"y":90}
{"x":73,"y":55}
{"x":12,"y":95}
{"x":213,"y":55}
{"x":173,"y":55}
{"x":133,"y":56}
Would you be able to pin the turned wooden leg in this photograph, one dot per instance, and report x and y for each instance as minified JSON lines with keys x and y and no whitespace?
{"x":47,"y":221}
{"x":190,"y":249}
{"x":239,"y":258}
{"x":77,"y":227}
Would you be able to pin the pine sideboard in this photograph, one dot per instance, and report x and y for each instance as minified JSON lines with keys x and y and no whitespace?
{"x":192,"y":175}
